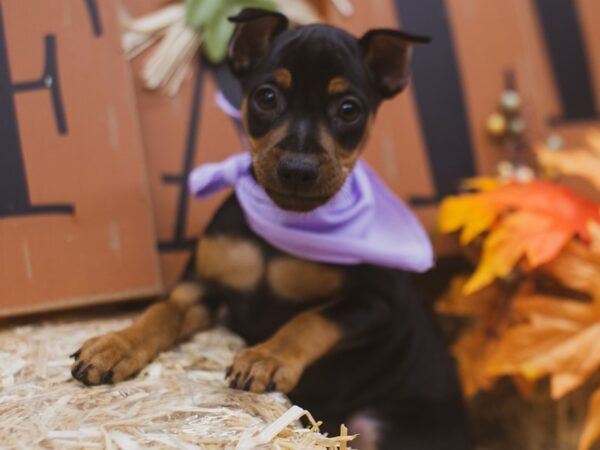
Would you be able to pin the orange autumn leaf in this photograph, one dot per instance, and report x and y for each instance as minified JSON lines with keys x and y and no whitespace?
{"x":561,"y":339}
{"x":578,"y":266}
{"x":540,"y":337}
{"x":454,"y":302}
{"x":471,"y":353}
{"x":521,"y":334}
{"x":532,"y":221}
{"x":521,"y":234}
{"x":593,"y":141}
{"x":474,"y":348}
{"x":525,"y":387}
{"x":559,"y":204}
{"x":580,"y":163}
{"x":591,"y":427}
{"x":538,"y":309}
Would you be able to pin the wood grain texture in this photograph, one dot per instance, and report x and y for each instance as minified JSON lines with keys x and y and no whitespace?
{"x":105,"y":249}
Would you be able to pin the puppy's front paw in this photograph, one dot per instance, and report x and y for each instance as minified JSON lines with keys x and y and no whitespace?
{"x":106,"y":359}
{"x":258,"y":370}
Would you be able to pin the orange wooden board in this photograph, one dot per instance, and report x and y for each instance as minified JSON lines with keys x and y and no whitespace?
{"x":171,"y":135}
{"x":101,"y":245}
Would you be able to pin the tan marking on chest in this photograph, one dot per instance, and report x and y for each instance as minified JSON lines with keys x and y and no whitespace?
{"x":186,"y":294}
{"x":300,"y":280}
{"x":233,"y":262}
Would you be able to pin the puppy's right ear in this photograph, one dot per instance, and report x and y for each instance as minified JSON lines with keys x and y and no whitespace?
{"x":254,"y":33}
{"x":388,"y":55}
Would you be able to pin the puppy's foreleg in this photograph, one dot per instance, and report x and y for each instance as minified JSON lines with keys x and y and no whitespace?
{"x":278,"y":363}
{"x":116,"y":356}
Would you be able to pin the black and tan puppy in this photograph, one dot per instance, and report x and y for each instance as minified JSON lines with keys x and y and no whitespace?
{"x":351,"y":343}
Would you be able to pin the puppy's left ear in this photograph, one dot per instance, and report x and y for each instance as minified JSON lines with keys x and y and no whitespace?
{"x":388,"y":55}
{"x":255,"y":30}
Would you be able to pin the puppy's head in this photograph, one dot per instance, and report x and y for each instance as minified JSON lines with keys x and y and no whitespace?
{"x":310,"y":94}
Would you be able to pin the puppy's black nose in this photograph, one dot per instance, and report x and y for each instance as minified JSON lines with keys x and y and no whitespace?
{"x":297,"y":173}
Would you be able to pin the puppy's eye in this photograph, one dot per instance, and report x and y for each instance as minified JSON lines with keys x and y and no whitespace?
{"x":266,"y":98}
{"x":349,"y":110}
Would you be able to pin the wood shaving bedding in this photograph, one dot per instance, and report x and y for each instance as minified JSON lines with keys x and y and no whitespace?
{"x":180,"y":401}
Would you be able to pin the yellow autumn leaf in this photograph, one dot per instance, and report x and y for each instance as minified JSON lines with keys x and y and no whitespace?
{"x":481,"y":183}
{"x":471,"y":213}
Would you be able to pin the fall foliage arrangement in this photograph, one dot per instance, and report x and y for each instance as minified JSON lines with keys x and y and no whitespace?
{"x":534,"y":296}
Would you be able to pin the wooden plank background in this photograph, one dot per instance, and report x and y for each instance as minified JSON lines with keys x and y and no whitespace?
{"x":104,"y":249}
{"x":110,"y":245}
{"x":485,"y":38}
{"x":423,"y":142}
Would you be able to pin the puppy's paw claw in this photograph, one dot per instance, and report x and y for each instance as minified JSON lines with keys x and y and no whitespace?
{"x":77,"y":365}
{"x":233,"y":384}
{"x":106,"y":359}
{"x":107,"y":377}
{"x":248,"y":384}
{"x":258,"y":370}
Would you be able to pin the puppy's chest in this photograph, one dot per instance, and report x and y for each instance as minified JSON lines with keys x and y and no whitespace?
{"x":246,"y":266}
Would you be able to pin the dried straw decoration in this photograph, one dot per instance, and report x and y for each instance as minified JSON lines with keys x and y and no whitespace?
{"x":180,"y":401}
{"x":168,"y":65}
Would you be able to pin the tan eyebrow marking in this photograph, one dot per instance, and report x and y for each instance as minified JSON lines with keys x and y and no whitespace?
{"x":338,"y":85}
{"x":283,"y":78}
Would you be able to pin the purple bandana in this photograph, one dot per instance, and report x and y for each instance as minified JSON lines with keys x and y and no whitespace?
{"x":363,"y":223}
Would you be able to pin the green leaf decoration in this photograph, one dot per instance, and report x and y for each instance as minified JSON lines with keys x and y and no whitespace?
{"x":210,"y":19}
{"x":216,"y":39}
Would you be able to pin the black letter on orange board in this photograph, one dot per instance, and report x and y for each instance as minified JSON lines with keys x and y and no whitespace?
{"x":14,"y":190}
{"x":566,"y":49}
{"x":230,"y":88}
{"x":439,"y":97}
{"x":179,"y":241}
{"x":94,"y":13}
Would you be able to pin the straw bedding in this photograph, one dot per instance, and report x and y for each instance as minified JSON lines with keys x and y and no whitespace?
{"x":179,"y":401}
